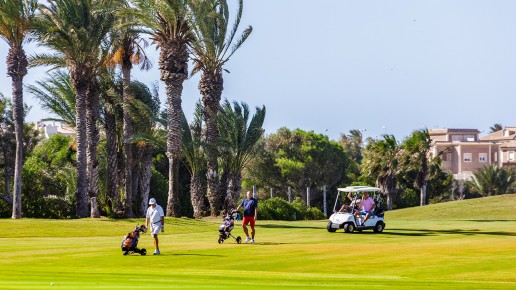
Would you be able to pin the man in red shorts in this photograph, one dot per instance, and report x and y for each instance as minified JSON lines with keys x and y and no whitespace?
{"x":250,"y":205}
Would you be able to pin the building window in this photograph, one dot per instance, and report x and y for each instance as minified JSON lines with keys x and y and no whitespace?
{"x":469,"y":138}
{"x":510,"y":156}
{"x":467,"y":157}
{"x":482,"y":157}
{"x":456,"y":138}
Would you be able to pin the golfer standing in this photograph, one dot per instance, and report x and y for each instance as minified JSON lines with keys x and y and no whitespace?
{"x":156,"y":217}
{"x":250,"y":205}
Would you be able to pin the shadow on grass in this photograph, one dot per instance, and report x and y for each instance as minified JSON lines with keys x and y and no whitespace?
{"x":270,"y":226}
{"x":428,"y":232}
{"x":490,"y":221}
{"x":192,"y":254}
{"x":270,"y":244}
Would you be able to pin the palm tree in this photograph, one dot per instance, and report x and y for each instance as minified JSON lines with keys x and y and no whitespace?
{"x":170,"y":30}
{"x":353,"y":143}
{"x":416,"y":156}
{"x":491,"y":180}
{"x":215,"y":44}
{"x":239,"y":136}
{"x":143,"y":109}
{"x":380,"y":161}
{"x":128,"y":50}
{"x":16,"y":17}
{"x":506,"y":179}
{"x":76,"y":30}
{"x":195,"y":159}
{"x":111,"y":101}
{"x":495,"y":127}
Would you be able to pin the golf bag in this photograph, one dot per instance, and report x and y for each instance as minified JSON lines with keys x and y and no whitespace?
{"x":227,"y":225}
{"x":130,"y":241}
{"x":378,"y":209}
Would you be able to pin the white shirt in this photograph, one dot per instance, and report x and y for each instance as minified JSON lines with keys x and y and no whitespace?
{"x":155,"y":214}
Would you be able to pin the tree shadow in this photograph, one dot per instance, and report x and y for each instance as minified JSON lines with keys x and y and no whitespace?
{"x":270,"y":244}
{"x":490,"y":221}
{"x":429,"y":232}
{"x":274,"y":226}
{"x":199,"y":255}
{"x":270,"y":226}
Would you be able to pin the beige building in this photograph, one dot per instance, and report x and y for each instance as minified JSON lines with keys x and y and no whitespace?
{"x":463,"y":151}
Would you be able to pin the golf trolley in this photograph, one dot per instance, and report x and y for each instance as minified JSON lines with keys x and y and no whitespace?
{"x":130,"y":241}
{"x":351,"y":219}
{"x":228,"y":223}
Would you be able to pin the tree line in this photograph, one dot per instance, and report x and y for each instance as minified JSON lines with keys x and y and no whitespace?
{"x":90,"y":39}
{"x":290,"y":161}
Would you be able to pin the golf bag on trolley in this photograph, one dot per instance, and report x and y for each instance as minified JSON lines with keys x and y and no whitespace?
{"x":227,"y":225}
{"x":130,"y":241}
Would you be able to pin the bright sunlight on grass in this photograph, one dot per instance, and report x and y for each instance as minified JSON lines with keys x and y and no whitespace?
{"x":458,"y":245}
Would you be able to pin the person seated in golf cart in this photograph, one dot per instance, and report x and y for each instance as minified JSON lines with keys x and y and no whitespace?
{"x":368,"y":206}
{"x":349,"y":208}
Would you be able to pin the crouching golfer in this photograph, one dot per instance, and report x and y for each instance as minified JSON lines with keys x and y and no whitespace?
{"x":156,"y":217}
{"x":250,"y":205}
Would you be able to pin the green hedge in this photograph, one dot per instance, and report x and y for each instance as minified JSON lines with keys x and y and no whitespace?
{"x":279,"y":209}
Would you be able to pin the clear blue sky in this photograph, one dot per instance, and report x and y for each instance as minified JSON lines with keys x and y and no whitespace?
{"x":384,"y":66}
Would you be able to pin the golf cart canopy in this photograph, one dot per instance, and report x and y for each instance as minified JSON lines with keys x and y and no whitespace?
{"x":359,"y":189}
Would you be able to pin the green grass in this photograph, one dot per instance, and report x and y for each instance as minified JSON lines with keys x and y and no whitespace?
{"x":456,"y":245}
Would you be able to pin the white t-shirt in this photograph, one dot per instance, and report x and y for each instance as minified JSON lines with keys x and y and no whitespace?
{"x":155,"y":214}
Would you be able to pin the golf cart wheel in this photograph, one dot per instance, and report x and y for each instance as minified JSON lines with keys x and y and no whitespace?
{"x":329,"y":228}
{"x":378,"y":228}
{"x":349,"y":228}
{"x":221,"y":240}
{"x":143,"y":252}
{"x":239,"y":240}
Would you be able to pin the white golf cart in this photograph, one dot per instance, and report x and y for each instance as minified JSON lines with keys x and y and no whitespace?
{"x":347,"y":220}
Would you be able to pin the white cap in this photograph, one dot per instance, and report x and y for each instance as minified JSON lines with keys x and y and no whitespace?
{"x":152,"y":201}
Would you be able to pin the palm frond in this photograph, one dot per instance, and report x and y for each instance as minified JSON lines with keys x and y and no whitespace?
{"x":55,"y":60}
{"x":57,"y":96}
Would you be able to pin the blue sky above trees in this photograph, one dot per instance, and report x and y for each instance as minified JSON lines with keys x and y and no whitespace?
{"x":384,"y":66}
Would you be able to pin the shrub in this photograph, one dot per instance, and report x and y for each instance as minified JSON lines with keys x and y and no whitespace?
{"x":276,"y":209}
{"x":279,"y":209}
{"x":314,"y":213}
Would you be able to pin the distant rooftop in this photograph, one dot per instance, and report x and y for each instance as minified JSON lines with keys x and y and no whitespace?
{"x":507,"y":133}
{"x":451,"y":130}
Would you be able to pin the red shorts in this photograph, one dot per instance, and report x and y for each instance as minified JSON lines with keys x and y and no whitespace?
{"x":247,"y":220}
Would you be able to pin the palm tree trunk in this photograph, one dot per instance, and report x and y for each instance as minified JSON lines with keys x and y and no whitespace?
{"x":17,"y":69}
{"x":389,"y":201}
{"x":120,"y":211}
{"x":112,"y":173}
{"x":233,"y":191}
{"x":197,"y":195}
{"x":173,"y":65}
{"x":145,"y":177}
{"x":135,"y":180}
{"x":173,"y":207}
{"x":128,"y":132}
{"x":211,"y":86}
{"x":423,"y":194}
{"x":223,"y":188}
{"x":80,"y":82}
{"x":93,"y":138}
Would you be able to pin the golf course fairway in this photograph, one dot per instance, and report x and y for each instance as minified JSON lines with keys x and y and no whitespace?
{"x":467,"y":244}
